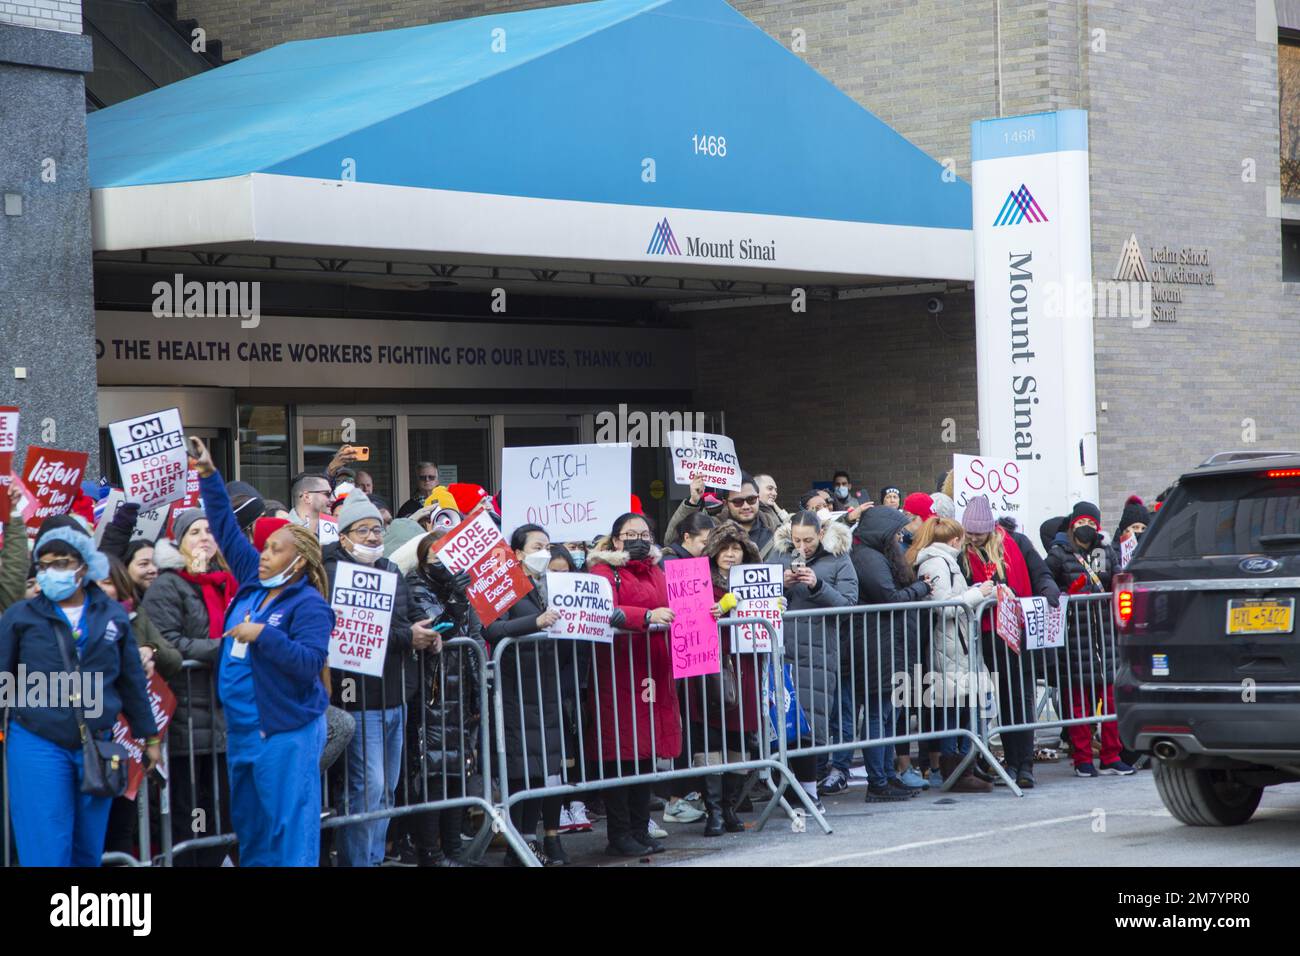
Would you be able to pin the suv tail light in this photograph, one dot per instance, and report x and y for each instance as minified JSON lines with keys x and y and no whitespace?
{"x":1122,"y":590}
{"x":1282,"y":473}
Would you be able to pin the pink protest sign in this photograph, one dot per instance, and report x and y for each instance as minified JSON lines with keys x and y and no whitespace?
{"x":694,"y":634}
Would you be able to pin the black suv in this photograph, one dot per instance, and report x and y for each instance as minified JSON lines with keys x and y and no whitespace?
{"x":1209,"y":676}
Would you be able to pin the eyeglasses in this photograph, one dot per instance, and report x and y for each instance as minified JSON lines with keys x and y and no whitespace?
{"x":751,"y":500}
{"x":428,"y":477}
{"x":59,"y":564}
{"x":361,"y":534}
{"x":629,"y":536}
{"x":319,"y":491}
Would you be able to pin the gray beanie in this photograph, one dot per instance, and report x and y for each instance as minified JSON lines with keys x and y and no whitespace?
{"x":942,"y":505}
{"x":355,"y":507}
{"x":182,"y":520}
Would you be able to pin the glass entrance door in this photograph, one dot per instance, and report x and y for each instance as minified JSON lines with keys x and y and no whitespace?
{"x":322,"y":436}
{"x":459,"y":445}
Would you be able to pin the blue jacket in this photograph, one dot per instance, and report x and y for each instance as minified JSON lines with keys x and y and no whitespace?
{"x":28,"y":637}
{"x":288,"y":656}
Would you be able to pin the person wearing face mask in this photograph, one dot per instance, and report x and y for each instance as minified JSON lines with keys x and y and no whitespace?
{"x":1084,"y":564}
{"x":817,"y":573}
{"x":187,"y":602}
{"x":622,"y":738}
{"x":533,"y":691}
{"x":1133,"y":523}
{"x":844,"y":495}
{"x":577,"y":554}
{"x":742,"y":508}
{"x":378,"y":703}
{"x":54,"y":823}
{"x":273,"y":652}
{"x":690,"y":537}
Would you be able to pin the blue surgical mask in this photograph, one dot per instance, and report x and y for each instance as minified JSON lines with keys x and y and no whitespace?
{"x":280,"y":579}
{"x":579,"y":559}
{"x":841,"y":491}
{"x":57,"y":585}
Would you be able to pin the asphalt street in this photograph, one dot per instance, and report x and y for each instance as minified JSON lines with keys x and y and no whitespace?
{"x":1064,"y":821}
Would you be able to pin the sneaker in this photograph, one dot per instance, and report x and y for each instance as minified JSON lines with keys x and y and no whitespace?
{"x":694,"y":799}
{"x":579,"y":822}
{"x":1025,"y":777}
{"x":650,"y":843}
{"x":625,"y":846}
{"x":566,"y":819}
{"x":934,"y":777}
{"x":655,"y":832}
{"x":911,"y":778}
{"x":1087,"y":770}
{"x":1117,"y":769}
{"x":835,"y":782}
{"x":554,"y":850}
{"x":680,"y":811}
{"x":897,"y":784}
{"x":887,"y":795}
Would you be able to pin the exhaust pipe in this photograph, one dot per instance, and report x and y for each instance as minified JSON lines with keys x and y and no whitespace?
{"x":1167,"y":749}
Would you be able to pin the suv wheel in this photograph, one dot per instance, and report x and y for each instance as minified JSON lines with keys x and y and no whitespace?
{"x":1205,"y":798}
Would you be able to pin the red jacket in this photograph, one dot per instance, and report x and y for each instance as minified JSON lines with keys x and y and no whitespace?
{"x":639,"y":586}
{"x":1016,"y":577}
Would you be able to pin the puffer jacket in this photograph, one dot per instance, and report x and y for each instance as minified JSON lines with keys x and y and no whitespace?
{"x":951,"y":637}
{"x":812,"y":643}
{"x":177,"y":610}
{"x":1092,"y":664}
{"x":621,"y":671}
{"x":14,"y":559}
{"x":887,"y":639}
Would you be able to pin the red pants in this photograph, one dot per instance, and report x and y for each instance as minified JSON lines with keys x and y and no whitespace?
{"x":1081,"y":734}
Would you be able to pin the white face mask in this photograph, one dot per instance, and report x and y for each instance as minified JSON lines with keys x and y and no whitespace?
{"x":537,"y":562}
{"x":367,"y":554}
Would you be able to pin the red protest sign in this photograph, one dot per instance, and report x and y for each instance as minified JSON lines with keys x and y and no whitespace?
{"x":163,"y":704}
{"x":1007,"y":618}
{"x":53,"y":479}
{"x":8,"y":441}
{"x":496,"y":579}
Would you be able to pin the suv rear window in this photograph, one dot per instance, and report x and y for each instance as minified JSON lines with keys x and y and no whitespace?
{"x":1226,"y":515}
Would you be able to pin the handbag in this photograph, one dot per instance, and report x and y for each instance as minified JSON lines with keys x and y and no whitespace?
{"x":104,"y":762}
{"x":722,"y":690}
{"x":786,"y":712}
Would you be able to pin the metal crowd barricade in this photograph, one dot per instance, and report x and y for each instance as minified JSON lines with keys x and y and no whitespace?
{"x":597,"y":708}
{"x":1080,"y":674}
{"x":875,"y":670}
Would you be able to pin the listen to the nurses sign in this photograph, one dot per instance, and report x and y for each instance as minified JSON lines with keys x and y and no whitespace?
{"x":363,"y":610}
{"x":151,"y":457}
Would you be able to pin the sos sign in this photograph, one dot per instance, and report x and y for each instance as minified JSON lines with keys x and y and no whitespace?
{"x":998,"y":479}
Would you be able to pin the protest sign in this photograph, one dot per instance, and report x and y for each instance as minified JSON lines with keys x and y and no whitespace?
{"x":363,"y":610}
{"x":758,"y":590}
{"x":998,"y":479}
{"x":148,"y":525}
{"x":497,"y":580}
{"x":8,"y":441}
{"x":1126,"y":549}
{"x":701,"y":455}
{"x":327,"y":530}
{"x":1044,"y":624}
{"x":151,"y":457}
{"x":1008,"y":617}
{"x":584,"y":603}
{"x":573,"y":491}
{"x":52,"y":478}
{"x":163,"y":704}
{"x":694,"y":635}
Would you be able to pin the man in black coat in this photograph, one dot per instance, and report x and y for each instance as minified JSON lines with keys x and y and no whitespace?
{"x":889,"y":642}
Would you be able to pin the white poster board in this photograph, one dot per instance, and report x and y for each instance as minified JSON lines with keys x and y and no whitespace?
{"x":1044,"y":624}
{"x":327,"y":530}
{"x":573,"y":491}
{"x":584,"y":603}
{"x":759,"y":592}
{"x":701,"y":455}
{"x":363,"y":612}
{"x":1001,"y":480}
{"x":150,"y":452}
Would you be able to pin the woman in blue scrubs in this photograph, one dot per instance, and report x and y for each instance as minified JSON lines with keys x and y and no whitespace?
{"x":269,"y":682}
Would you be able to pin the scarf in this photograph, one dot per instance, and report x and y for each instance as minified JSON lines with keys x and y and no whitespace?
{"x":1017,"y":572}
{"x":217,"y":589}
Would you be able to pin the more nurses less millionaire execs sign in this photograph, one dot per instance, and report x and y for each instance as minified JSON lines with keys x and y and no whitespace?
{"x":363,"y":610}
{"x":477,"y":547}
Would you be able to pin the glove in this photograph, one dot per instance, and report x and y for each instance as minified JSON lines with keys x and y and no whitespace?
{"x":461,"y":581}
{"x":128,"y":512}
{"x":618,"y":619}
{"x":1054,"y":599}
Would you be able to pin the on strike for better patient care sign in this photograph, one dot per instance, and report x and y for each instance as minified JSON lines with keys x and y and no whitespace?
{"x":151,"y":456}
{"x":363,"y":611}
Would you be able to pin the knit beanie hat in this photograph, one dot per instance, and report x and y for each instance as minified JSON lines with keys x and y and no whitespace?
{"x":888,"y":489}
{"x":263,"y":528}
{"x":1135,"y":512}
{"x":920,"y":504}
{"x":356,"y":507}
{"x":181,"y":521}
{"x":1085,"y":509}
{"x":978,"y":516}
{"x":943,"y":506}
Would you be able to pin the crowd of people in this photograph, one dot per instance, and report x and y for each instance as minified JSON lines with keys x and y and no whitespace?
{"x":231,"y":608}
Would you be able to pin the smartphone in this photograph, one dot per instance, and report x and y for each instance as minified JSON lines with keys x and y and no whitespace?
{"x":797,"y":562}
{"x":362,"y":452}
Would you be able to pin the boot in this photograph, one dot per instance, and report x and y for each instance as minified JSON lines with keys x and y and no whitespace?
{"x":713,"y":805}
{"x":967,"y":782}
{"x":554,"y":851}
{"x":730,"y":790}
{"x":449,"y":826}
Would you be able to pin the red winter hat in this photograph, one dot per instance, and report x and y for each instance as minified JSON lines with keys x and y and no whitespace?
{"x":467,"y":496}
{"x":83,"y":506}
{"x":263,"y":528}
{"x":920,"y":504}
{"x":636,"y":506}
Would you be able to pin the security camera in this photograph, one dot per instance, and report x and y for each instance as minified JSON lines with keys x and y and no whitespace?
{"x":934,"y":305}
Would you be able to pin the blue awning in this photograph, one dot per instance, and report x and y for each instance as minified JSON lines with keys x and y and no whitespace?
{"x":669,"y":106}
